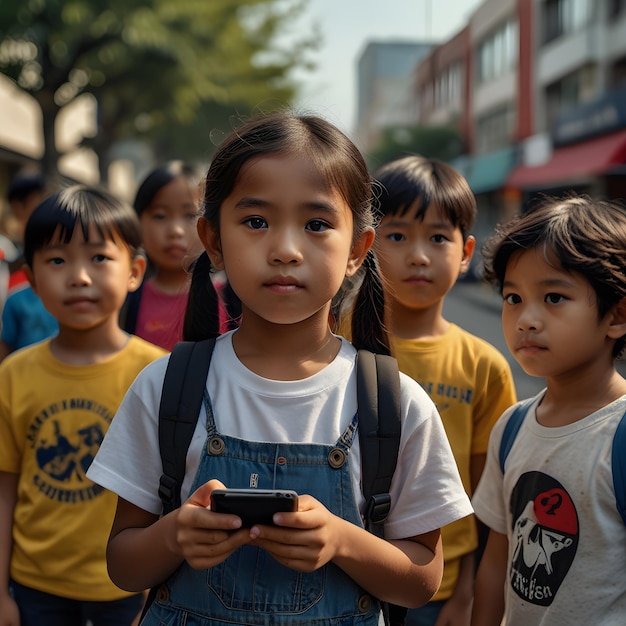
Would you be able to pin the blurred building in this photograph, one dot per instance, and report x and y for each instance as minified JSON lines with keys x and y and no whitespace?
{"x":386,"y":90}
{"x":535,"y":88}
{"x":21,"y":140}
{"x":578,"y":140}
{"x":547,"y":102}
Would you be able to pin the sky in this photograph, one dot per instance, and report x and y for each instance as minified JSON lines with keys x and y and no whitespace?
{"x":348,"y":25}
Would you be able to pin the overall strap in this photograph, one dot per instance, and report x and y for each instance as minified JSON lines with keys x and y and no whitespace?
{"x":181,"y":400}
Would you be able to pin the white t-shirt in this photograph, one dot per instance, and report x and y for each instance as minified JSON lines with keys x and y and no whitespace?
{"x":426,"y":491}
{"x":556,"y":503}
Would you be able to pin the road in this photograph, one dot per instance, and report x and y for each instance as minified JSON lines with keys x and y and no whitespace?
{"x":477,"y":307}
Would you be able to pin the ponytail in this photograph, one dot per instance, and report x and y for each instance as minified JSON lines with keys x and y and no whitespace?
{"x":202,"y":313}
{"x":369,"y":331}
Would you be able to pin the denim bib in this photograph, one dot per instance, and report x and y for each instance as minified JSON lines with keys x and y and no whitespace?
{"x":250,"y":587}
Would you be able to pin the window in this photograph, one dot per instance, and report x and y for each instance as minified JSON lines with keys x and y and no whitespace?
{"x":497,"y":53}
{"x":569,"y":92}
{"x":616,"y":8}
{"x":563,"y":17}
{"x":444,"y":91}
{"x":494,"y":130}
{"x":448,"y":86}
{"x":618,"y":73}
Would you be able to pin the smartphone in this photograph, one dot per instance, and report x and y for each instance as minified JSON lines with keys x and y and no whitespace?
{"x":254,"y":506}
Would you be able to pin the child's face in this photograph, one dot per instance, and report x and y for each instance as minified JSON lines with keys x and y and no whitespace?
{"x":285,"y":240}
{"x":550,"y":317}
{"x":420,"y":259}
{"x":168,"y":226}
{"x":83,"y":284}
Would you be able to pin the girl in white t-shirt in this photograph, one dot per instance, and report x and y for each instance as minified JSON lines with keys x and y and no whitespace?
{"x":287,"y":214}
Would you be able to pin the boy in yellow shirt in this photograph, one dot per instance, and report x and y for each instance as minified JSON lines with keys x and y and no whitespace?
{"x":422,"y":246}
{"x":57,"y":399}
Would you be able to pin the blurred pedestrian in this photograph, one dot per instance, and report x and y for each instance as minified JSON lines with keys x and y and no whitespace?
{"x":167,"y":205}
{"x":25,"y":320}
{"x":57,"y":399}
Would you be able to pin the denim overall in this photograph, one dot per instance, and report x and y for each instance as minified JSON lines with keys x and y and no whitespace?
{"x":250,"y":587}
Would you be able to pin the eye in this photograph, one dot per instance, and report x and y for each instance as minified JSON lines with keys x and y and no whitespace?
{"x":100,"y":258}
{"x":256,"y":223}
{"x":158,"y":216}
{"x":512,"y":298}
{"x":57,"y":260}
{"x":317,"y":226}
{"x":438,"y":238}
{"x":396,"y":237}
{"x":554,"y":298}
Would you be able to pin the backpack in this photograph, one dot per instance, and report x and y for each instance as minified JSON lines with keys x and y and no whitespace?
{"x":378,"y":395}
{"x":618,"y":458}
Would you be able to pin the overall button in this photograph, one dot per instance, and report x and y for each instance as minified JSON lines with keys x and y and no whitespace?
{"x":163,"y":595}
{"x":216,"y":445}
{"x":364,"y":603}
{"x":336,"y":458}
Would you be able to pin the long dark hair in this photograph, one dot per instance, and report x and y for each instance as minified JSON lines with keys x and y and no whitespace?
{"x":339,"y":161}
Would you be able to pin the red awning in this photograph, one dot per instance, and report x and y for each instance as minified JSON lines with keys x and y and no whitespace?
{"x":588,"y":158}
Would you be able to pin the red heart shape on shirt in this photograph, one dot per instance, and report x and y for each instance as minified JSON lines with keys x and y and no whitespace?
{"x":554,"y":509}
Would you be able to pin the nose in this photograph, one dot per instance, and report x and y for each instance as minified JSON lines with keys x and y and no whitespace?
{"x":528,"y":318}
{"x":79,"y":275}
{"x":285,"y":248}
{"x":417,"y":254}
{"x":177,"y":227}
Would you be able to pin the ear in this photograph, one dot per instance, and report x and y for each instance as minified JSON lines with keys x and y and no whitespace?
{"x":31,"y":277}
{"x":211,"y":242}
{"x":468,"y":252}
{"x":137,"y":271}
{"x":359,"y":250}
{"x":617,"y":320}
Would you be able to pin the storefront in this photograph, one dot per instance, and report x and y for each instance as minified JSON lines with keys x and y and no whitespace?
{"x":588,"y":153}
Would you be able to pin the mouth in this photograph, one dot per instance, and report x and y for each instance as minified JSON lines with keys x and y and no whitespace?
{"x":529,"y":347}
{"x":79,"y":301}
{"x":283,"y":284}
{"x":176,"y":251}
{"x":417,"y":280}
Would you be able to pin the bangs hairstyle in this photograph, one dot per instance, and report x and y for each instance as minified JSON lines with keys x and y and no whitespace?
{"x":158,"y":178}
{"x":334,"y":156}
{"x":418,"y":181}
{"x":57,"y":216}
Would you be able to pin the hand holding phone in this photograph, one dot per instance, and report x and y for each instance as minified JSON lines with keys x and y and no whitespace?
{"x":254,"y":506}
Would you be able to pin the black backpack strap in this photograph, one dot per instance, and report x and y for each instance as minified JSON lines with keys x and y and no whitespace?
{"x":378,"y":395}
{"x":181,"y":400}
{"x":379,"y":406}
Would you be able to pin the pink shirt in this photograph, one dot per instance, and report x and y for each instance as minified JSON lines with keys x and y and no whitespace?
{"x":161,"y":316}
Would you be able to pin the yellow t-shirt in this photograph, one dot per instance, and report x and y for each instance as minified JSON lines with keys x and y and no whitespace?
{"x":53,"y":417}
{"x":471,"y":383}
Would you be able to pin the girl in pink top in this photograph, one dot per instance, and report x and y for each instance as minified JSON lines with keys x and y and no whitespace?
{"x":167,"y":205}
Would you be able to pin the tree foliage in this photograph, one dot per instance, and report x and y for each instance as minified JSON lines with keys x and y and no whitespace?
{"x":159,"y":70}
{"x":437,"y":142}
